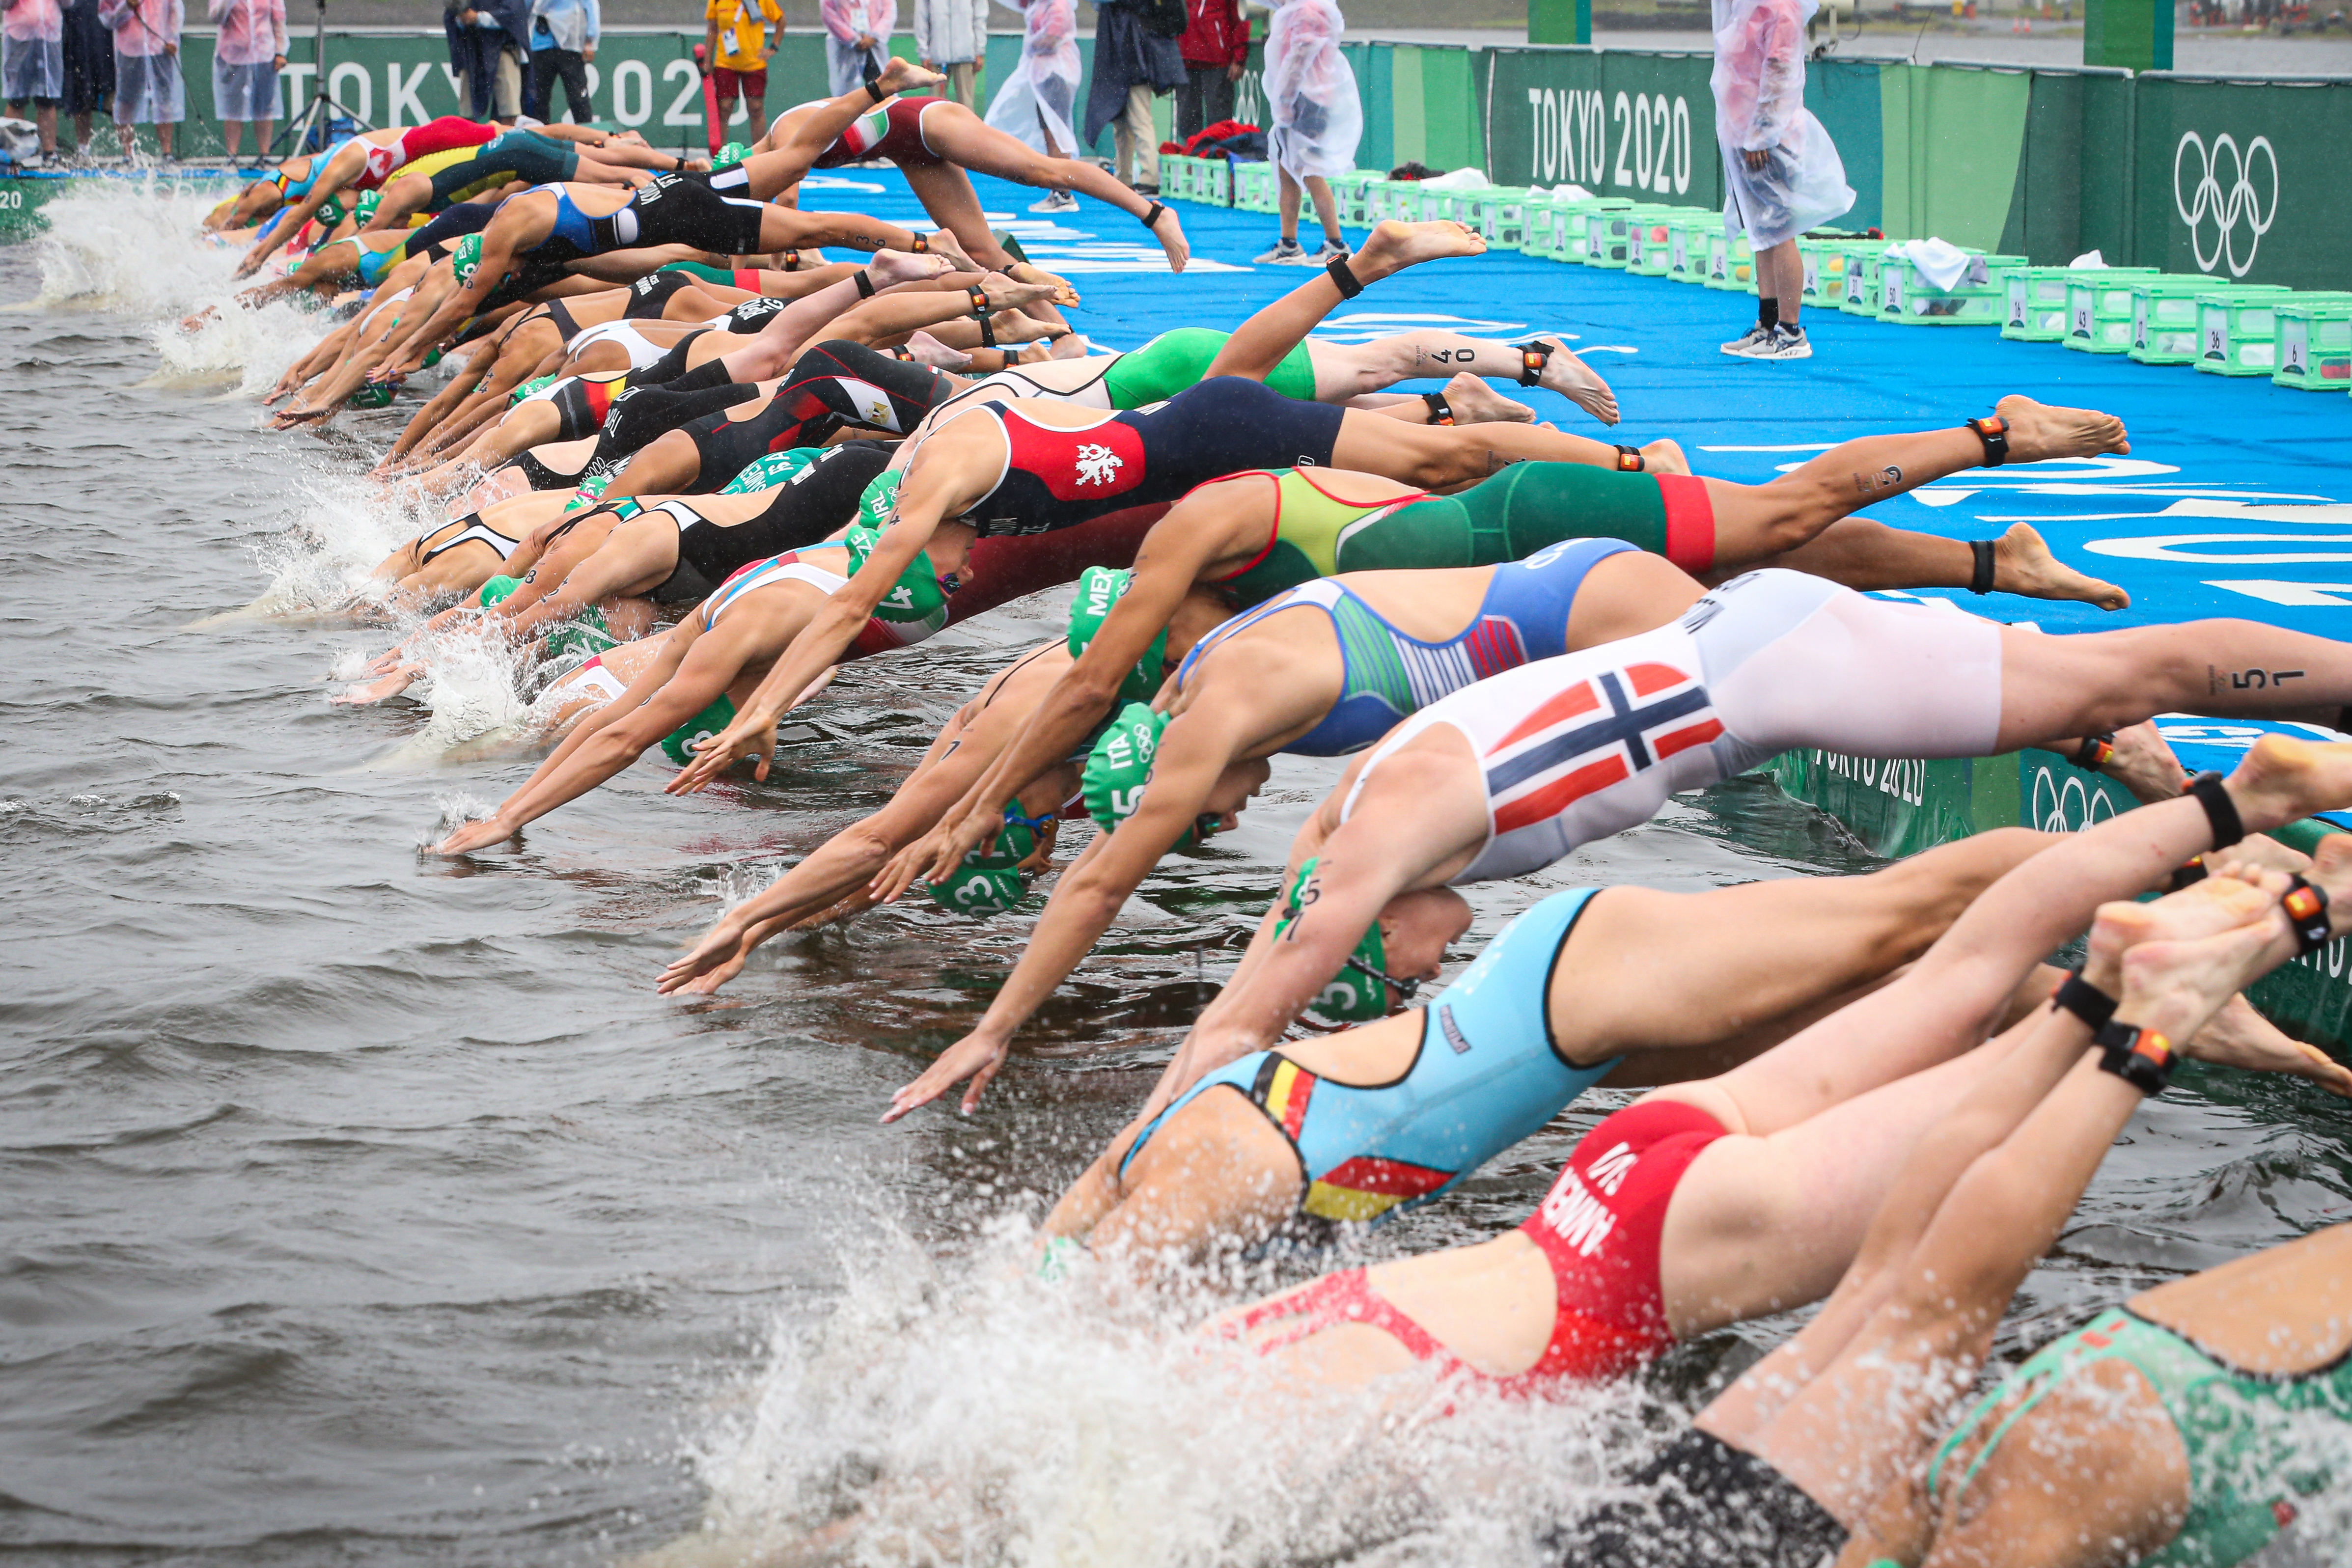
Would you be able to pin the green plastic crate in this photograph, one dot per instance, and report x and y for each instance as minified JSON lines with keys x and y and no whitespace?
{"x":1547,"y":229}
{"x":1179,"y":176}
{"x":2033,"y":307}
{"x":2314,"y":344}
{"x":1609,"y":234}
{"x":1353,"y":194}
{"x":2240,"y":337}
{"x":1651,"y":250}
{"x":1861,"y":296}
{"x":1826,"y":261}
{"x":1730,"y":262}
{"x":1908,"y":298}
{"x":2165,"y":311}
{"x":1686,"y":242}
{"x":1255,"y":189}
{"x":1499,"y":213}
{"x":2099,"y":310}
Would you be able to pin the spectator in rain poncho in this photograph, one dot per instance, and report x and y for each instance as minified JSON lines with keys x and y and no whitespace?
{"x":1781,"y":174}
{"x":1034,"y":103}
{"x":1316,"y":121}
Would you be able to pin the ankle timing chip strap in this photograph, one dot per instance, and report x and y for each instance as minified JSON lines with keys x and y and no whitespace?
{"x":2095,"y":752}
{"x":1342,"y":278}
{"x":2141,"y":1057}
{"x":2190,"y":873}
{"x":1533,"y":358}
{"x":864,"y":281}
{"x":2086,"y":1001}
{"x":1152,"y":213}
{"x":2220,"y":811}
{"x":1630,"y":460}
{"x":1994,"y":433}
{"x":922,"y":246}
{"x":2306,"y":911}
{"x":1980,"y":579}
{"x":1440,"y":411}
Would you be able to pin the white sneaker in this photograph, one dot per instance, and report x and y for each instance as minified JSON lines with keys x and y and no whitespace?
{"x":1332,"y":251}
{"x":1286,"y":253}
{"x":1055,"y":201}
{"x":1755,"y":338}
{"x":1786,"y":342}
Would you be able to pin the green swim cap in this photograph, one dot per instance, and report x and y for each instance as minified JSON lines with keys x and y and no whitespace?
{"x":371,"y":397}
{"x":727,"y":157}
{"x":1112,"y":782}
{"x":1358,"y":993}
{"x":880,"y":499}
{"x":678,"y":744}
{"x":591,"y":491}
{"x":466,"y":259}
{"x":1060,"y":1255}
{"x":537,"y":383}
{"x":329,"y":212}
{"x":770,"y":469}
{"x":915,"y":599}
{"x":498,"y":588}
{"x":1099,"y":588}
{"x":364,"y":208}
{"x":584,"y":634}
{"x":989,"y":882}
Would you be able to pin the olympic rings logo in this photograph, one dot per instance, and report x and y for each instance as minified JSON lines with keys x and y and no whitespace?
{"x":2067,"y":807}
{"x":2238,"y":208}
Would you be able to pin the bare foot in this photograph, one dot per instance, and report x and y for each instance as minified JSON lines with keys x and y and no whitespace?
{"x":1577,"y":381}
{"x":1665,"y":457}
{"x":2252,"y":859}
{"x":2238,"y":1036}
{"x":1076,"y":346}
{"x":1168,"y":230}
{"x":2141,"y":763}
{"x":2217,"y":904}
{"x":2038,"y":431}
{"x":1394,"y":245}
{"x":889,"y":266}
{"x":1065,"y":291}
{"x":2283,"y":778}
{"x":2023,"y":564}
{"x":902,"y":76}
{"x":1474,"y":402}
{"x":2176,"y":986}
{"x":1004,"y":293}
{"x":942,"y":243}
{"x":1015,"y":328}
{"x":930,"y":351}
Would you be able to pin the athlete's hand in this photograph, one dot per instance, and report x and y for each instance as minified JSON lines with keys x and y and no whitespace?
{"x":904,"y":868}
{"x":978,"y":1057}
{"x":718,"y":753}
{"x":713,"y":961}
{"x":472,"y":836}
{"x":957,"y":836}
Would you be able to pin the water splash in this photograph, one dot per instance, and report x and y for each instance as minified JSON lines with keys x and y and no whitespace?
{"x":968,"y":1412}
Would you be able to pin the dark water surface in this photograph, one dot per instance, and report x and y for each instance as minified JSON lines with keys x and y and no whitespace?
{"x":358,"y":1206}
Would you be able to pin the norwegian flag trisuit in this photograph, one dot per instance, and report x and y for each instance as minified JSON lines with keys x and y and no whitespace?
{"x":1057,"y":478}
{"x":1589,"y":743}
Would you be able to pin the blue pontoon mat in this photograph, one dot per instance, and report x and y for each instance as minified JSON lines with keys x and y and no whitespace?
{"x":2236,"y":499}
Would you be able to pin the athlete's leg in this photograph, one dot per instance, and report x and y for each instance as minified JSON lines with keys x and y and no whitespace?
{"x":1758,"y":520}
{"x":1215,"y":1170}
{"x":806,"y":141}
{"x":959,"y":135}
{"x":1448,"y":458}
{"x":663,"y":467}
{"x":770,"y":352}
{"x":1260,"y":343}
{"x":1865,"y":555}
{"x":2097,"y":682}
{"x":1345,"y":371}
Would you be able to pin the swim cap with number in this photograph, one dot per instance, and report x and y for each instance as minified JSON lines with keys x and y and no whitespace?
{"x":498,"y":588}
{"x":915,"y":599}
{"x":678,"y":744}
{"x":584,"y":634}
{"x":364,"y":208}
{"x":734,"y":152}
{"x":1353,"y":996}
{"x":770,"y":469}
{"x":989,"y":882}
{"x":1099,"y":588}
{"x":466,"y":259}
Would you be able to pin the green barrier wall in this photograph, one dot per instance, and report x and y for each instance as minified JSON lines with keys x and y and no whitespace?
{"x":1618,"y":122}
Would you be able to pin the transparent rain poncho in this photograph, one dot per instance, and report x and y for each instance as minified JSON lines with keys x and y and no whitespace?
{"x":1037,"y":99}
{"x":1310,"y":92}
{"x":1759,"y":106}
